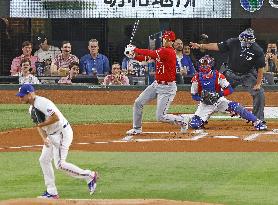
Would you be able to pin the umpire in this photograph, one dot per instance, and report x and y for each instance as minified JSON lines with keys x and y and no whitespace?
{"x":244,"y":67}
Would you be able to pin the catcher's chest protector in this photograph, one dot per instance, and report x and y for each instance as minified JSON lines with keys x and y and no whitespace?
{"x":208,"y":81}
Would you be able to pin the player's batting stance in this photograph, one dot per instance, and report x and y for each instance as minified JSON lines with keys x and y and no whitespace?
{"x":163,"y":88}
{"x":57,"y":136}
{"x":209,"y":87}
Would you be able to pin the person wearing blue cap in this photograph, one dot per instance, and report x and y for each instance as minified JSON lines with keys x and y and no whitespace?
{"x":57,"y":136}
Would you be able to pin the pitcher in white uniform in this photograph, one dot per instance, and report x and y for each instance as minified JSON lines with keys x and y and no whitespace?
{"x":57,"y":136}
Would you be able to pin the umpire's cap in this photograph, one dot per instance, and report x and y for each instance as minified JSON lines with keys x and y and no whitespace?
{"x":25,"y":89}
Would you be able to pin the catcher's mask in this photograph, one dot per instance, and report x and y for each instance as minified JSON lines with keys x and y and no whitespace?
{"x":206,"y":62}
{"x":247,"y":38}
{"x":169,"y":35}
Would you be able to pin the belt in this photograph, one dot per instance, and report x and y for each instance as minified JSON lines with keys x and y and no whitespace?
{"x":64,"y":126}
{"x":165,"y":82}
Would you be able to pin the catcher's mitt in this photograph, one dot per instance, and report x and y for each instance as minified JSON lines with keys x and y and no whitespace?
{"x":209,"y":98}
{"x":37,"y":116}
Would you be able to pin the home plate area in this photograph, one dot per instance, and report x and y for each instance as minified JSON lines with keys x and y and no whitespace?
{"x":240,"y":132}
{"x":219,"y":127}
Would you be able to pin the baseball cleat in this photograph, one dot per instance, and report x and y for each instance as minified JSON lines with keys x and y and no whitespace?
{"x":92,"y":185}
{"x":134,"y":131}
{"x":46,"y":195}
{"x":184,"y":124}
{"x":259,"y":125}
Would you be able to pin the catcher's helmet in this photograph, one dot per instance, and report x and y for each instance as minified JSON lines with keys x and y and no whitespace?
{"x":206,"y":62}
{"x":169,"y":35}
{"x":247,"y":37}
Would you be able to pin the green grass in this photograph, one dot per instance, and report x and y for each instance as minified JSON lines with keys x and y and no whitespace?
{"x":228,"y":178}
{"x":16,"y":115}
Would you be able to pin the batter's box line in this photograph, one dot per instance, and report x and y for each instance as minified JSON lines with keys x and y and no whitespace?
{"x":20,"y":147}
{"x":161,"y":132}
{"x":254,"y":136}
{"x":130,"y":138}
{"x":200,"y":135}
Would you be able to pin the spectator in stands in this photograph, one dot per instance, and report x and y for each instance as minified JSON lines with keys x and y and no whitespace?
{"x":127,"y":65}
{"x":74,"y":71}
{"x":26,"y":54}
{"x":188,"y":60}
{"x":25,"y":76}
{"x":133,"y":67}
{"x":61,"y":63}
{"x":94,"y":63}
{"x":271,"y":62}
{"x":184,"y":63}
{"x":116,"y":77}
{"x":178,"y":46}
{"x":46,"y":51}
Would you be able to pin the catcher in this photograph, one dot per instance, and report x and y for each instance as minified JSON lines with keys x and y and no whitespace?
{"x":57,"y":136}
{"x":209,"y":87}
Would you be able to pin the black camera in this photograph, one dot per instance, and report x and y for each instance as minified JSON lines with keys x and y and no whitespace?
{"x":273,"y":51}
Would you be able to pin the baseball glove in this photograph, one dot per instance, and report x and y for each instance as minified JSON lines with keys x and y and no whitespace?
{"x":209,"y":98}
{"x":37,"y":116}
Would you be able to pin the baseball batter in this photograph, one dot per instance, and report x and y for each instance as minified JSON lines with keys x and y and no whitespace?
{"x":57,"y":135}
{"x":164,"y":88}
{"x":245,"y":65}
{"x":209,"y":88}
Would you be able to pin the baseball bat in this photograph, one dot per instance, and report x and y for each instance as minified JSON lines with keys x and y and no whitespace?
{"x":135,"y":27}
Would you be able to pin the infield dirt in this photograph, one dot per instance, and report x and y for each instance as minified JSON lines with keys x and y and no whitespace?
{"x":172,"y":142}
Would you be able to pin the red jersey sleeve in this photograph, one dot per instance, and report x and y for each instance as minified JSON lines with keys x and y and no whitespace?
{"x":141,"y":58}
{"x":146,"y":52}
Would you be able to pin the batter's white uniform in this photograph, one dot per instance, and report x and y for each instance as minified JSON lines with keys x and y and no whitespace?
{"x":60,"y":135}
{"x":204,"y":111}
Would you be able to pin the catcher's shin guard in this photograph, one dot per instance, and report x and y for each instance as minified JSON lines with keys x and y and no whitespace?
{"x":196,"y":122}
{"x":241,"y":111}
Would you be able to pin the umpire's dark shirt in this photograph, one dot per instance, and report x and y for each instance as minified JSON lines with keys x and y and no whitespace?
{"x":242,"y":61}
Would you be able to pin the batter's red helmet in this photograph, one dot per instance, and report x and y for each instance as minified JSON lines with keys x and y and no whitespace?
{"x":169,"y":35}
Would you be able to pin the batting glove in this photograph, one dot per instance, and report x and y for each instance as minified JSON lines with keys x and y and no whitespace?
{"x":129,"y":51}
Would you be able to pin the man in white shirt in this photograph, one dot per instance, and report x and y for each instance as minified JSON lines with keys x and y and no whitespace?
{"x":57,"y":136}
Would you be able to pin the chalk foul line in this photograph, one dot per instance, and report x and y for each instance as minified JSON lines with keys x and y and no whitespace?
{"x":199,"y":135}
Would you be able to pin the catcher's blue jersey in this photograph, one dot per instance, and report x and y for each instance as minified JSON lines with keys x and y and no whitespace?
{"x":208,"y":82}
